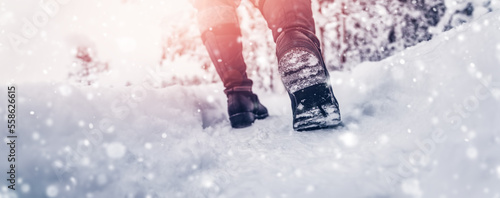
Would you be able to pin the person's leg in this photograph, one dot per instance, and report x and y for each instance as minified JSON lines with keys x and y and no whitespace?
{"x":220,"y":33}
{"x":300,"y":63}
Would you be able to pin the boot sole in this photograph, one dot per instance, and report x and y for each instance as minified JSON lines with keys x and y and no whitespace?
{"x":315,"y":118}
{"x":316,"y":108}
{"x":244,"y":119}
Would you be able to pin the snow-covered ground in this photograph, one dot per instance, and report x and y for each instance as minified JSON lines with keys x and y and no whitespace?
{"x":423,"y":123}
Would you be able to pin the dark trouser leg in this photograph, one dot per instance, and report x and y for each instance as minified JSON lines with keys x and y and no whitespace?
{"x":291,"y":22}
{"x":221,"y":34}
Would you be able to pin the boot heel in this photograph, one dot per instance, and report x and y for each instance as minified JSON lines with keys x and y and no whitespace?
{"x":241,"y":120}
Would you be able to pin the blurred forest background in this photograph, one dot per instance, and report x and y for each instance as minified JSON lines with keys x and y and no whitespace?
{"x":351,"y":31}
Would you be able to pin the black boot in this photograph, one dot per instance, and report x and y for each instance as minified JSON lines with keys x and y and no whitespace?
{"x":243,"y":108}
{"x":307,"y":81}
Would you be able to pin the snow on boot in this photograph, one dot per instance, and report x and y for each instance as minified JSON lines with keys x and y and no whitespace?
{"x":307,"y":81}
{"x":243,"y":108}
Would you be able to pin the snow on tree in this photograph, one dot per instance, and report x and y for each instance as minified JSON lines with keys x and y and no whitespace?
{"x":365,"y":30}
{"x":86,"y":68}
